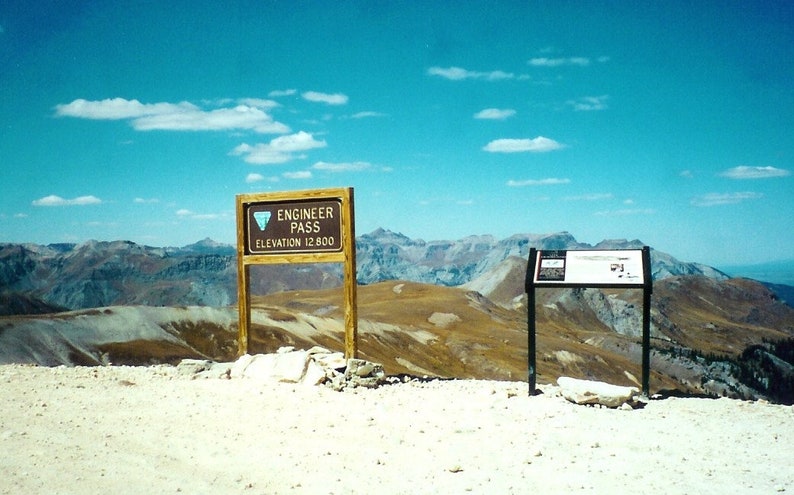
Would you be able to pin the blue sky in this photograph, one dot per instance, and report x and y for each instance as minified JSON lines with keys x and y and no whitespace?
{"x":669,"y":122}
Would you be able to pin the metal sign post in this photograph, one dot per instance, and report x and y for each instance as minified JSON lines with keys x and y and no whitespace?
{"x":315,"y":226}
{"x":626,"y":269}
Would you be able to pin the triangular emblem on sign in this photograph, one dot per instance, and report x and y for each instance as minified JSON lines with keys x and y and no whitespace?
{"x":262,"y":218}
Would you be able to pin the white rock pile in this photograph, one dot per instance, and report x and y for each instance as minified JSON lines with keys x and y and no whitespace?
{"x":597,"y":393}
{"x":316,"y":366}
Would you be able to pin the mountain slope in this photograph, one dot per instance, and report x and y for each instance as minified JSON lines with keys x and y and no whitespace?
{"x":701,"y":331}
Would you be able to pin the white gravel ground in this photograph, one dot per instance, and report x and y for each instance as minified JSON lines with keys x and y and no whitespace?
{"x":139,"y":430}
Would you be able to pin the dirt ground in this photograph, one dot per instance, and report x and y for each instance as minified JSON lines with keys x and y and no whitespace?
{"x":120,"y":430}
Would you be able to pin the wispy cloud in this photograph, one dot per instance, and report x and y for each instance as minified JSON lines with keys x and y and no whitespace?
{"x":588,"y":103}
{"x":54,"y":200}
{"x":259,"y":103}
{"x":279,"y":150}
{"x":625,"y":212}
{"x":551,"y":181}
{"x":342,"y":167}
{"x":717,"y":199}
{"x":241,"y":117}
{"x":590,"y":197}
{"x":327,"y":98}
{"x":143,"y":201}
{"x":119,"y":108}
{"x":539,"y":144}
{"x":745,"y":172}
{"x":367,"y":114}
{"x":252,"y":177}
{"x":557,"y":62}
{"x":185,"y":213}
{"x":459,"y":74}
{"x":276,"y":93}
{"x":495,"y":113}
{"x":299,"y":175}
{"x":181,"y":116}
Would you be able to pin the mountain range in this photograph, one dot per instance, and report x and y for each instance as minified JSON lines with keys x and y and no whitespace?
{"x":443,"y":308}
{"x":36,"y":278}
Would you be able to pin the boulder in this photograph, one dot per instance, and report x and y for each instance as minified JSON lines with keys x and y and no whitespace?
{"x":593,"y":392}
{"x":283,"y":366}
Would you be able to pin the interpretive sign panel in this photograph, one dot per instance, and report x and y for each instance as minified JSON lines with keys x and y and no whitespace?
{"x":294,"y":227}
{"x":619,"y":267}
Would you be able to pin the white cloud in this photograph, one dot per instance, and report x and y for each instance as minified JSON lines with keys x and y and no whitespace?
{"x":142,"y":201}
{"x":279,"y":150}
{"x":341,"y":167}
{"x":54,"y":200}
{"x":119,"y":108}
{"x":556,"y":62}
{"x":302,"y":174}
{"x":686,"y":174}
{"x":182,"y":116}
{"x":539,"y":144}
{"x":282,"y":92}
{"x":495,"y":113}
{"x":625,"y":212}
{"x":189,"y":214}
{"x":745,"y":172}
{"x":459,"y":74}
{"x":588,"y":103}
{"x":250,"y":178}
{"x":363,"y":115}
{"x":537,"y":182}
{"x":330,"y":99}
{"x":239,"y":117}
{"x":259,"y":103}
{"x":590,"y":197}
{"x":716,"y":199}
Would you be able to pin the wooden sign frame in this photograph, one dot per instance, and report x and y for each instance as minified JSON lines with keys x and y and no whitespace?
{"x":308,"y":236}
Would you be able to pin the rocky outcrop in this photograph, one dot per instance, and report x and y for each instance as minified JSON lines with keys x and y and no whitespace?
{"x":316,"y":366}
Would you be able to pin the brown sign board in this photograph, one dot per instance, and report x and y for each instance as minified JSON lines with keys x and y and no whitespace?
{"x":293,"y":227}
{"x":313,"y":226}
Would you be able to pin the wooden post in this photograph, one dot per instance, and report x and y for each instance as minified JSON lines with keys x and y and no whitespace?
{"x":351,"y":308}
{"x":243,"y":296}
